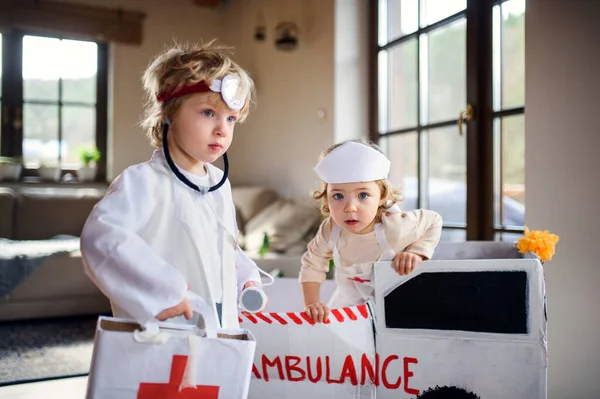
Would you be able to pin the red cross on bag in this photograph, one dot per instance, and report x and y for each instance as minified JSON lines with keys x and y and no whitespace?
{"x":170,"y":390}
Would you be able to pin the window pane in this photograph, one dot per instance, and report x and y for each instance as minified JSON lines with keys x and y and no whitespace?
{"x":513,"y":53}
{"x":403,"y":150}
{"x":453,"y":235}
{"x":58,"y":70}
{"x":436,"y":10}
{"x":446,"y":163}
{"x":446,"y":96}
{"x":40,"y":134}
{"x":397,"y":18}
{"x":512,"y":170}
{"x":400,"y":109}
{"x":45,"y":60}
{"x":79,"y":66}
{"x":79,"y":130}
{"x":41,"y":68}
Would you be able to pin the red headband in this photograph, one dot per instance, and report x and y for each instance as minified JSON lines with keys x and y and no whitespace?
{"x":200,"y":87}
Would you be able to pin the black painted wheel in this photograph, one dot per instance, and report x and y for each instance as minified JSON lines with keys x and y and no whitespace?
{"x":447,"y":393}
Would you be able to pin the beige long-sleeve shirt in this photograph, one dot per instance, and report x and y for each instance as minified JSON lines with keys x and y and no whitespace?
{"x":416,"y":231}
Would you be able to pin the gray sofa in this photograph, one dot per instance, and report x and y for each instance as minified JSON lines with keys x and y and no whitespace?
{"x":58,"y":287}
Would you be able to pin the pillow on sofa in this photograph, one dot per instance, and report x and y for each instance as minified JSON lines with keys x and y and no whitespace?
{"x":249,"y":201}
{"x":285,"y":221}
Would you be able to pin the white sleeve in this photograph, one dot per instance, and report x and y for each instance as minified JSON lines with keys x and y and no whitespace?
{"x":247,"y":270}
{"x":123,"y":266}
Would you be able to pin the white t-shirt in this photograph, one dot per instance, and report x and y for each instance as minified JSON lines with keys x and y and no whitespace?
{"x":207,"y":206}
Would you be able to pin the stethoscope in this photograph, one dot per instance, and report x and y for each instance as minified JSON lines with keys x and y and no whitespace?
{"x":181,"y":176}
{"x":252,"y":299}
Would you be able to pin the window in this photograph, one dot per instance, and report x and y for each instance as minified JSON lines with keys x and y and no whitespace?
{"x":478,"y":301}
{"x":436,"y":59}
{"x":54,"y":96}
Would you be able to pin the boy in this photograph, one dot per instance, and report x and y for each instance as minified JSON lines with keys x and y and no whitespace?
{"x":167,"y":225}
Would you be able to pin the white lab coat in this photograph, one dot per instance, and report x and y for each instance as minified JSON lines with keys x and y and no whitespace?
{"x":142,"y":244}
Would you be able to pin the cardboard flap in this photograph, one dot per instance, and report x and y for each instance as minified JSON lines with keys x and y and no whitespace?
{"x":116,"y":325}
{"x":111,"y":324}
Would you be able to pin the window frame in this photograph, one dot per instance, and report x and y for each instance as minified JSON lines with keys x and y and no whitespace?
{"x":481,"y":163}
{"x":13,"y":101}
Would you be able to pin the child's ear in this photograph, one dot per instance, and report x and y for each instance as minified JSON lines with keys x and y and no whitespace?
{"x":382,"y":199}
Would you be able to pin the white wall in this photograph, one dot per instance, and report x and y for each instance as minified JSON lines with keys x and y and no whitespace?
{"x":165,"y":22}
{"x":562,"y":163}
{"x":279,"y":145}
{"x":351,"y":70}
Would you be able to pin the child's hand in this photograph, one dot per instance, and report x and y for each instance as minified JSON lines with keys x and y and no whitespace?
{"x":405,"y":262}
{"x":183,"y":308}
{"x":317,"y":311}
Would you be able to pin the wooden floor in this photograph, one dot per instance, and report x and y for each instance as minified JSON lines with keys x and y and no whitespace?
{"x":67,"y":388}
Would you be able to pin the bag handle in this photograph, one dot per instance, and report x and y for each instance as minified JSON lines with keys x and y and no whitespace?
{"x":207,"y":314}
{"x":151,"y":333}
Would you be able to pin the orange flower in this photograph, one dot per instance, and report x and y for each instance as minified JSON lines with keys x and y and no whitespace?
{"x":539,"y":242}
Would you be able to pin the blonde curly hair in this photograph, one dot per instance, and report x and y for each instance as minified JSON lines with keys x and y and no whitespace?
{"x":187,"y":64}
{"x":389,"y":195}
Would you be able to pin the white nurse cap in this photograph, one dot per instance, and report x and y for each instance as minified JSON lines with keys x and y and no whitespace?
{"x":353,"y":162}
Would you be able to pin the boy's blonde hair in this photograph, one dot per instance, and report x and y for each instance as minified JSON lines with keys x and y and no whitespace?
{"x":187,"y":64}
{"x":389,"y":195}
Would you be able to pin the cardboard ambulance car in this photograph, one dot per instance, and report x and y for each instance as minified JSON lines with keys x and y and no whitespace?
{"x":461,"y":329}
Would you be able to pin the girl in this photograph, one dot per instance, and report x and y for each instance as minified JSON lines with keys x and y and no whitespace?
{"x":168,"y":225}
{"x":364,"y":226}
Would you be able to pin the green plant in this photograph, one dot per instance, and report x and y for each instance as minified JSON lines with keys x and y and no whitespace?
{"x":264,"y":248}
{"x":331,"y":273}
{"x":48,"y":164}
{"x":10,"y":160}
{"x":88,"y":155}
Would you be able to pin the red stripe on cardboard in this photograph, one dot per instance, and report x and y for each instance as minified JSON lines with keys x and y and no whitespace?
{"x":350,"y":314}
{"x":336,"y":313}
{"x":307,"y":318}
{"x":364,"y":312}
{"x":278,"y":319}
{"x":264,"y":318}
{"x":294,"y":318}
{"x":250,"y":317}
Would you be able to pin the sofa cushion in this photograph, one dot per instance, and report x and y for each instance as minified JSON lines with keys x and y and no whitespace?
{"x":43,"y":213}
{"x":249,"y":201}
{"x":285,"y":221}
{"x":8,"y":200}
